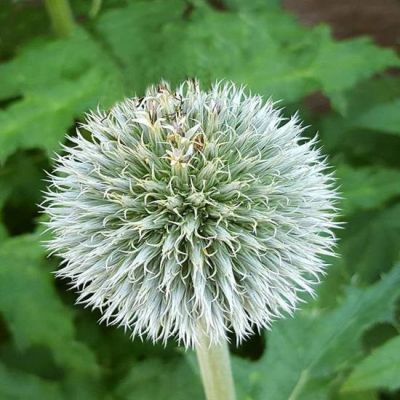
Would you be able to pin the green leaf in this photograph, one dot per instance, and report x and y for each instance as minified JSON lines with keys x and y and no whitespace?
{"x":143,"y":61}
{"x":252,"y":5}
{"x":374,"y":105}
{"x":247,"y":377}
{"x":268,"y":50}
{"x":330,"y":292}
{"x":161,"y":380}
{"x":370,"y":243}
{"x":17,"y":385}
{"x":363,"y":395}
{"x":21,"y":183}
{"x":12,"y":178}
{"x":32,"y":309}
{"x":371,"y":111}
{"x":367,"y":187}
{"x":382,"y":117}
{"x":379,"y":370}
{"x":306,"y":354}
{"x":341,"y":65}
{"x":3,"y":232}
{"x":19,"y":24}
{"x":70,"y":76}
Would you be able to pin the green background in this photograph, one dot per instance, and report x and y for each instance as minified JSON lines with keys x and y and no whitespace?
{"x":342,"y":345}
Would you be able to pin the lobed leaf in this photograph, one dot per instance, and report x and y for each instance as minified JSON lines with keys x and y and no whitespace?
{"x":267,"y":50}
{"x":161,"y":380}
{"x":382,"y":117}
{"x":367,"y":187}
{"x":371,"y":110}
{"x":381,"y":369}
{"x":70,"y":76}
{"x":370,"y":243}
{"x":17,"y":385}
{"x":306,"y":354}
{"x":31,"y":308}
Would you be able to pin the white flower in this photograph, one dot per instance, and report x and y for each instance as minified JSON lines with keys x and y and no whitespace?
{"x":189,"y":207}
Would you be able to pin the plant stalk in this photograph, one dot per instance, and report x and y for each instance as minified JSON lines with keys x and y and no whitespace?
{"x":215,"y":368}
{"x":61,"y":16}
{"x":95,"y":8}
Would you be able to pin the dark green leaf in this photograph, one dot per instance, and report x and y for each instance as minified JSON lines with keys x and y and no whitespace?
{"x":381,"y":369}
{"x":157,"y":379}
{"x":267,"y":50}
{"x":366,"y":188}
{"x":306,"y":353}
{"x":382,"y":117}
{"x":32,"y":309}
{"x":371,"y":243}
{"x":70,"y":76}
{"x":16,"y":385}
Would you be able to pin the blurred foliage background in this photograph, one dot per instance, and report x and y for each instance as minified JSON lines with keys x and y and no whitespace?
{"x":344,"y":344}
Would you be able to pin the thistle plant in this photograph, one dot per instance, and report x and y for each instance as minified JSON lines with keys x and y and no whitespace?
{"x":192,"y":214}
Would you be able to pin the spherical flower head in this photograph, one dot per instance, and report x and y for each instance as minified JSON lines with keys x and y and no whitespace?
{"x":187,"y":209}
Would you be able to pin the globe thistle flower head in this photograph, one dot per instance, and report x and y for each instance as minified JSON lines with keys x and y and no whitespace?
{"x":188,"y":208}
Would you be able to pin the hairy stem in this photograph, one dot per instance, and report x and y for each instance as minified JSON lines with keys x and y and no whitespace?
{"x":215,"y":368}
{"x":61,"y":16}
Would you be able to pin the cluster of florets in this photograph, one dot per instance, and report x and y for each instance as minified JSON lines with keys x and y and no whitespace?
{"x":188,"y":208}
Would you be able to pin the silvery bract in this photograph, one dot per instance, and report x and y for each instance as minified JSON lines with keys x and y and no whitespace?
{"x":186,"y":208}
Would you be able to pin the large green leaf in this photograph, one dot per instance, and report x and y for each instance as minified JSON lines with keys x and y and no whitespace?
{"x":374,"y":105}
{"x":382,"y":117}
{"x":367,"y":187}
{"x":21,"y":183}
{"x":19,"y":24}
{"x":372,"y":108}
{"x":3,"y":232}
{"x":21,"y":175}
{"x":33,"y":311}
{"x":267,"y":50}
{"x":304,"y":359}
{"x":17,"y":385}
{"x":381,"y":369}
{"x":340,"y":65}
{"x":54,"y":82}
{"x":161,"y":380}
{"x":306,"y":354}
{"x":370,"y":243}
{"x":363,"y":395}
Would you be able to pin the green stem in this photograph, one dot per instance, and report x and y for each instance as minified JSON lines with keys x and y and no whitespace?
{"x":215,"y":368}
{"x":61,"y":16}
{"x":95,"y":8}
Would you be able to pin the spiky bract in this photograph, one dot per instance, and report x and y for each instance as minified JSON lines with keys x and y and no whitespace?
{"x":189,"y":207}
